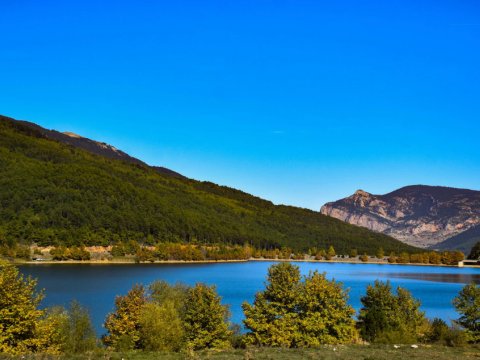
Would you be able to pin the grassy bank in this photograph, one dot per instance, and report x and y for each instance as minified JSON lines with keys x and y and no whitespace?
{"x":351,"y":352}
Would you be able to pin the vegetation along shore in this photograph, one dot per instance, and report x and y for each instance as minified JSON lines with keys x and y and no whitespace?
{"x":308,"y":314}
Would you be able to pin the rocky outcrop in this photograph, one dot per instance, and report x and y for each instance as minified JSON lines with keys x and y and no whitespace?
{"x":417,"y":215}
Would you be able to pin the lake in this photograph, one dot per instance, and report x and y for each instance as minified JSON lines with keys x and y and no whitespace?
{"x":95,"y":286}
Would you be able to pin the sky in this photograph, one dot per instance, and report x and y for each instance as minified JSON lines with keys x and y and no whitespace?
{"x":299,"y":102}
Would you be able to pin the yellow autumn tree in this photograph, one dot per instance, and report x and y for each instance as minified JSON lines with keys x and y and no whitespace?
{"x":19,"y":313}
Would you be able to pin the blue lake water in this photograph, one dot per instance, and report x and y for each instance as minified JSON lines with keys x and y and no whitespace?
{"x":95,"y":286}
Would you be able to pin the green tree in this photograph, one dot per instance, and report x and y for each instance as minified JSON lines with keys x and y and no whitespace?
{"x":380,"y":253}
{"x":475,"y":252}
{"x":123,"y":325}
{"x":271,"y":318}
{"x":292,"y":313}
{"x":19,"y":313}
{"x":206,"y":319}
{"x":353,"y":253}
{"x":330,"y":253}
{"x":161,"y":327}
{"x":386,"y":317}
{"x":467,"y":304}
{"x":78,"y":330}
{"x":324,"y":316}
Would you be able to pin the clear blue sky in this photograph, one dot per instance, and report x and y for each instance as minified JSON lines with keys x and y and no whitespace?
{"x":300,"y":102}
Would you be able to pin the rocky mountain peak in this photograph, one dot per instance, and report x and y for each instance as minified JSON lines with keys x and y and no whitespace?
{"x":419,"y":215}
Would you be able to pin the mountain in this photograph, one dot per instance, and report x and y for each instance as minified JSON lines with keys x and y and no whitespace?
{"x":95,"y":147}
{"x":463,"y":241}
{"x":419,"y":215}
{"x":54,"y":191}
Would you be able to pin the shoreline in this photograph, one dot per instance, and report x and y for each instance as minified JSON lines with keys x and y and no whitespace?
{"x":127,"y":261}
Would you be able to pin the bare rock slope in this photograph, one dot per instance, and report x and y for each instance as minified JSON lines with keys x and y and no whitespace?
{"x":418,"y":215}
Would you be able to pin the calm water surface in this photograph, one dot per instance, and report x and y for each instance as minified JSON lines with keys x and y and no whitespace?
{"x":95,"y":286}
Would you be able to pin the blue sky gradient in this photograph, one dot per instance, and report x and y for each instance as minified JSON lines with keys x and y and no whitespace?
{"x":300,"y":102}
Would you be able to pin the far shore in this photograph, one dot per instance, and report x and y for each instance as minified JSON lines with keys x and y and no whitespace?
{"x":130,"y":261}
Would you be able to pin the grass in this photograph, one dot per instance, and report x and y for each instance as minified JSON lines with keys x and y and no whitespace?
{"x":350,"y":352}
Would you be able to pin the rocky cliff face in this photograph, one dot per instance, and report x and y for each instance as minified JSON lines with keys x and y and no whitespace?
{"x":417,"y":215}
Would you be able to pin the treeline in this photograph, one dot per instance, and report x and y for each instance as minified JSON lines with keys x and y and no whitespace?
{"x":293,"y":311}
{"x":217,"y":252}
{"x":52,"y":194}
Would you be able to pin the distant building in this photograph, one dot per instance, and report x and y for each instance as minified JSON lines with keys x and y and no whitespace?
{"x":469,"y":263}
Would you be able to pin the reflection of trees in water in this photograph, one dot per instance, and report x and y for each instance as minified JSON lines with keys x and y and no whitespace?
{"x":448,"y":278}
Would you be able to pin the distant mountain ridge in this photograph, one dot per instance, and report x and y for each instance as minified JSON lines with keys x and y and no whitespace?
{"x":419,"y":215}
{"x":95,"y":147}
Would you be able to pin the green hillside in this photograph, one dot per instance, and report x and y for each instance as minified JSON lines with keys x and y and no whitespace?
{"x":51,"y":194}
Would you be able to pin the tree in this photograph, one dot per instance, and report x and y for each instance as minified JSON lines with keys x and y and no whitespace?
{"x":271,"y":317}
{"x":475,"y":252}
{"x":353,"y":253}
{"x":380,"y":253}
{"x":123,"y":325}
{"x":292,"y":313}
{"x":206,"y":319}
{"x":467,"y":304}
{"x":324,"y":316}
{"x":386,"y":317}
{"x":161,"y":327}
{"x":78,"y":330}
{"x":19,"y":313}
{"x":330,"y":253}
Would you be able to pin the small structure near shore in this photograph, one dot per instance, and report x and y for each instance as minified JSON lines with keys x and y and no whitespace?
{"x":469,"y":263}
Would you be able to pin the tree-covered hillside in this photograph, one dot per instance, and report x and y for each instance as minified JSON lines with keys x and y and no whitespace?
{"x":52,"y":193}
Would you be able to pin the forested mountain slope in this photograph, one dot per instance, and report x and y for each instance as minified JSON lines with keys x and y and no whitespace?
{"x":52,"y":193}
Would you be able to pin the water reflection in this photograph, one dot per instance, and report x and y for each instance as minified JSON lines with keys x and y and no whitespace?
{"x":444,"y":278}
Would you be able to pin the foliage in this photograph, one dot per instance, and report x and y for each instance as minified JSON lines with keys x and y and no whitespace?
{"x":291,"y":313}
{"x":386,"y":317}
{"x":77,"y":330}
{"x":19,"y":313}
{"x":206,"y":319}
{"x":53,"y":194}
{"x":467,"y":304}
{"x":123,"y":325}
{"x":161,"y":327}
